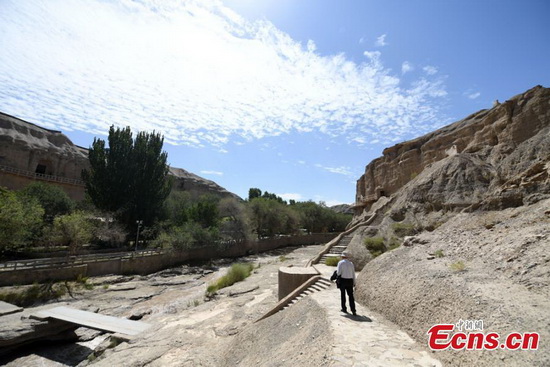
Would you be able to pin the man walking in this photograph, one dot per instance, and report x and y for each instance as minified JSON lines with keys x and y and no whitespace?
{"x":346,"y":272}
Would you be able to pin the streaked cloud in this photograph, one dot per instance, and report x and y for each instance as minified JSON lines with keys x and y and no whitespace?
{"x":212,"y":173}
{"x":381,"y":41}
{"x":430,"y":70}
{"x":406,"y":67}
{"x":343,"y":170}
{"x":473,"y":95}
{"x":198,"y":73}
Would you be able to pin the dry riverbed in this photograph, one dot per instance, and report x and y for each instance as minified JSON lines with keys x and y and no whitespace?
{"x":188,"y":329}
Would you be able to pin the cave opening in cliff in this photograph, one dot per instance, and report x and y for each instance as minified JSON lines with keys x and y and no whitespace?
{"x":41,"y":169}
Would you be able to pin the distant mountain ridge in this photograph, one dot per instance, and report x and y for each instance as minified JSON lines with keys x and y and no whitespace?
{"x":29,"y":152}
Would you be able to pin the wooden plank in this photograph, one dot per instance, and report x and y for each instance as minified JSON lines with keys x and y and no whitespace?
{"x":93,"y":320}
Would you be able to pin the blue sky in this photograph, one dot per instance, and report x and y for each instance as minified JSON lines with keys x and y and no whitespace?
{"x":292,"y":97}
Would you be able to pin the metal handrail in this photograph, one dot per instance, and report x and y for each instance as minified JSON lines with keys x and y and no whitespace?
{"x":41,"y":176}
{"x":73,"y":260}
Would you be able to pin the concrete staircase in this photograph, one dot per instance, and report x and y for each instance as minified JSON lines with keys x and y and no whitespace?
{"x":315,"y":284}
{"x":336,"y":250}
{"x":318,"y":286}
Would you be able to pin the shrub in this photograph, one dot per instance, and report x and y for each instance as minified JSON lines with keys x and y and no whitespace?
{"x":404,"y":229}
{"x":439,"y":253}
{"x":394,"y":244}
{"x":52,"y":198}
{"x":236,"y":273}
{"x":458,"y":266}
{"x":332,"y":261}
{"x":73,"y":230}
{"x":83,"y":282}
{"x":189,"y":235}
{"x":20,"y":219}
{"x":375,"y":245}
{"x":37,"y":293}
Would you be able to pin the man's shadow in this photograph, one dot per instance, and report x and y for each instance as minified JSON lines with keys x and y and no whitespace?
{"x":358,"y":318}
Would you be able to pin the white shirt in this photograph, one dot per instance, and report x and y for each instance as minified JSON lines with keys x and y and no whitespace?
{"x":346,"y":269}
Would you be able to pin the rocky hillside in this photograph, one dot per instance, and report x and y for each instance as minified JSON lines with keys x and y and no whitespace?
{"x":470,"y":204}
{"x":504,"y":150}
{"x":28,"y":152}
{"x":342,"y":209}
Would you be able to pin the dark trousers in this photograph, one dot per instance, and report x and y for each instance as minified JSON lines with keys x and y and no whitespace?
{"x":346,"y":285}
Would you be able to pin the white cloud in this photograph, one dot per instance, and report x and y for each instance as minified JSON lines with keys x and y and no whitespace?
{"x":381,"y":41}
{"x":212,"y":173}
{"x":430,"y":70}
{"x":343,"y":170}
{"x":474,"y":95}
{"x":406,"y":67}
{"x":196,"y":72}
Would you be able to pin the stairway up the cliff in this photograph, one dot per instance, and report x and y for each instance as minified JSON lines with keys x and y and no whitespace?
{"x":318,"y":286}
{"x":313,"y":285}
{"x":337,"y":249}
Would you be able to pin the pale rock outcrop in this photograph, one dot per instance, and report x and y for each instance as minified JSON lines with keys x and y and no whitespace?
{"x":505,"y":148}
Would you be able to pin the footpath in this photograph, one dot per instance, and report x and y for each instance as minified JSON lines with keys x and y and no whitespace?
{"x":367,"y":339}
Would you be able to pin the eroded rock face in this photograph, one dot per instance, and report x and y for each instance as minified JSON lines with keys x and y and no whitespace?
{"x":35,"y":149}
{"x":499,"y":150}
{"x":465,"y":223}
{"x":29,"y":152}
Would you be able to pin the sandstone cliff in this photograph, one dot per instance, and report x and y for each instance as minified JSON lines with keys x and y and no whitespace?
{"x":501,"y":153}
{"x":474,"y":200}
{"x":29,"y":152}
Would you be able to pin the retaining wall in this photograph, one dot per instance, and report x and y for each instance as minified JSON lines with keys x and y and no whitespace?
{"x":152,"y":263}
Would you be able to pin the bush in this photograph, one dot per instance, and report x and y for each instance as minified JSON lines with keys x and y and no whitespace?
{"x":404,"y":229}
{"x":375,"y":245}
{"x":458,"y":266}
{"x":439,"y":253}
{"x":52,"y":198}
{"x":189,"y":235}
{"x":20,"y":219}
{"x":236,"y":273}
{"x":37,"y":293}
{"x":332,"y":261}
{"x":72,"y":230}
{"x":394,"y":244}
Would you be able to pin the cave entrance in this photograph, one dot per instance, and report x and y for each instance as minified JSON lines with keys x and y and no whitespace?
{"x":40,"y":169}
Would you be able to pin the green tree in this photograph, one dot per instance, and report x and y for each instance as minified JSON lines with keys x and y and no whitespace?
{"x":254,"y":193}
{"x":270,"y":217}
{"x":72,"y":230}
{"x":235,"y":223}
{"x":52,"y":198}
{"x":21,"y":219}
{"x":176,"y":207}
{"x":205,"y":212}
{"x":319,"y":218}
{"x":130,"y":178}
{"x":314,"y":217}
